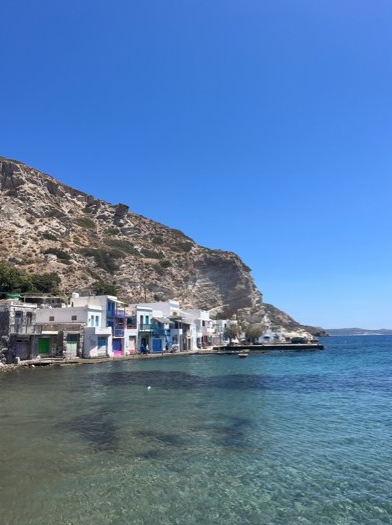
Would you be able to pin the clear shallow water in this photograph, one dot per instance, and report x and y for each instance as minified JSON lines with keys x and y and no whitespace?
{"x":301,"y":438}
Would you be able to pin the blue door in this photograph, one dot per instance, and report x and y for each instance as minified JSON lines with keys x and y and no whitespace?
{"x":117,"y":347}
{"x":157,"y":345}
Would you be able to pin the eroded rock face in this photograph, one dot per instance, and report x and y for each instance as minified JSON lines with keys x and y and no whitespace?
{"x":140,"y":256}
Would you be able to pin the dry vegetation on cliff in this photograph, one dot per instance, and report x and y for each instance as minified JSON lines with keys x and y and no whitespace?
{"x":47,"y":226}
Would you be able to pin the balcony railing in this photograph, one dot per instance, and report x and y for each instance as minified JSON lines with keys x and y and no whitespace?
{"x":115,"y":313}
{"x":25,"y":329}
{"x":160,"y":331}
{"x":149,"y":327}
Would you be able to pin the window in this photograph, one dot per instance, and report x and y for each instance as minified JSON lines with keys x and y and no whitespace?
{"x":29,"y":318}
{"x":147,"y":319}
{"x":73,"y":318}
{"x":91,"y":320}
{"x":141,"y":319}
{"x":51,"y":318}
{"x":111,"y":308}
{"x":97,"y":320}
{"x":18,"y":318}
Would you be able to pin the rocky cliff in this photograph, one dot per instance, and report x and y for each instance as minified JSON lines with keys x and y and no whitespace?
{"x":47,"y":226}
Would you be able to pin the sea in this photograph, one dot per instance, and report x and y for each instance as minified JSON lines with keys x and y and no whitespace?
{"x":283,"y":438}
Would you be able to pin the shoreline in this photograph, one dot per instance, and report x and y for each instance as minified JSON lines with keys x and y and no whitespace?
{"x":228,"y":350}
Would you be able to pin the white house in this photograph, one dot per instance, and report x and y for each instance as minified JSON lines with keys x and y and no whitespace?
{"x":220,"y":337}
{"x":114,"y":317}
{"x":153,"y":328}
{"x":165,"y":324}
{"x":203,"y":326}
{"x":97,"y":337}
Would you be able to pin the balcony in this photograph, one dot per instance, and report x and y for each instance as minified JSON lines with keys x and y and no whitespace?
{"x":160,"y":332}
{"x":26,"y":329}
{"x":119,"y":314}
{"x":149,"y":327}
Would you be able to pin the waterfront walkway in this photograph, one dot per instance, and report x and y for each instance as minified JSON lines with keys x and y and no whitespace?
{"x":217,"y":350}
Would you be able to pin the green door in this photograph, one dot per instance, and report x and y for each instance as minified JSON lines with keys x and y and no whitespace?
{"x":43,"y":346}
{"x":72,"y":345}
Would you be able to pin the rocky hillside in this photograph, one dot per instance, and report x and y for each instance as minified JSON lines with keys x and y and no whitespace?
{"x":46,"y":226}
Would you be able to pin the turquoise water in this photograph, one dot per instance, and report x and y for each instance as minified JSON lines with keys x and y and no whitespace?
{"x":299,"y":438}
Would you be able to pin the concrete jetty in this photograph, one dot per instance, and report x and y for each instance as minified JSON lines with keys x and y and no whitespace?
{"x":268,"y":347}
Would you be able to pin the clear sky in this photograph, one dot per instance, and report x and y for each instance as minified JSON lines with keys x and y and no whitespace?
{"x":262,"y":127}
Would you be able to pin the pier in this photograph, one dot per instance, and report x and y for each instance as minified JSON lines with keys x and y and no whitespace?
{"x":268,"y":347}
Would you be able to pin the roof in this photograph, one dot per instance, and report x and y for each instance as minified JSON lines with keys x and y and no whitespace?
{"x":181,"y":318}
{"x":161,"y":319}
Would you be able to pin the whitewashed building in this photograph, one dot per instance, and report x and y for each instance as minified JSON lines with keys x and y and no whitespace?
{"x":152,"y":327}
{"x":165,"y":325}
{"x":113,"y":316}
{"x":97,"y":337}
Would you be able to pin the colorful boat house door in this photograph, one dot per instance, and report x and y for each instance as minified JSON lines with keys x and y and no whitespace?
{"x":157,"y":345}
{"x":117,"y":347}
{"x":72,"y":345}
{"x":43,"y":346}
{"x":102,"y":346}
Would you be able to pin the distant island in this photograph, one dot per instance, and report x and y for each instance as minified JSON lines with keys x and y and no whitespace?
{"x":357,"y":331}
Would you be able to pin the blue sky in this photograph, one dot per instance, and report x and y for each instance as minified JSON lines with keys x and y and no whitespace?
{"x":260,"y":127}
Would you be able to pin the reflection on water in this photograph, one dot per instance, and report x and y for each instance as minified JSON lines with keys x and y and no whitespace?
{"x":278,"y":439}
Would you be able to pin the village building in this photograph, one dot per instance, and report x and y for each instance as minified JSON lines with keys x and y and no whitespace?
{"x":113,"y":316}
{"x":164,"y":325}
{"x":72,"y":332}
{"x":220,"y":336}
{"x":17,"y":324}
{"x":152,"y":327}
{"x":102,"y":326}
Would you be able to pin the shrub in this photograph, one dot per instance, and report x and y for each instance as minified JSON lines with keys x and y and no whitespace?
{"x":183,"y":247}
{"x":232,"y":331}
{"x":49,"y":236}
{"x":103,"y":258}
{"x":124,"y":246}
{"x":60,"y":254}
{"x":151,"y":254}
{"x":102,"y":288}
{"x":159,"y":270}
{"x":112,"y":231}
{"x":14,"y":280}
{"x":165,"y":263}
{"x":179,"y":233}
{"x":157,"y":240}
{"x":85,"y":222}
{"x":254,"y":330}
{"x":93,"y":274}
{"x":46,"y":283}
